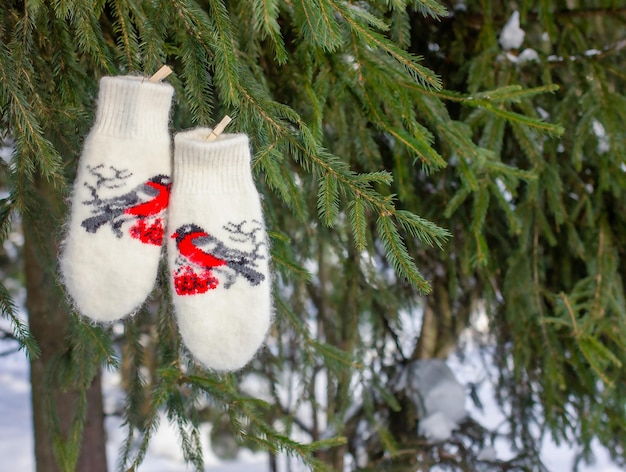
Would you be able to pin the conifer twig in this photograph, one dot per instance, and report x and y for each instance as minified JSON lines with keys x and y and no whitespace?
{"x":219,"y":129}
{"x":162,"y":73}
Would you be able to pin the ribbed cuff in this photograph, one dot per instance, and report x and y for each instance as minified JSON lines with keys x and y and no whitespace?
{"x":221,"y":166}
{"x":133,"y":107}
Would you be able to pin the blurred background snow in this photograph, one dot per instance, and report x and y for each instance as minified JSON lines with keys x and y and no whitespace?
{"x":16,"y":442}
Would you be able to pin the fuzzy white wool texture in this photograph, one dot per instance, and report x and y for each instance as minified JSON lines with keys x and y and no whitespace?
{"x":108,"y":273}
{"x":218,"y":250}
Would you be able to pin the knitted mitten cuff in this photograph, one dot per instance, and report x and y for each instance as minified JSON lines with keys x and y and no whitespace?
{"x":222,"y":166}
{"x":132,"y":107}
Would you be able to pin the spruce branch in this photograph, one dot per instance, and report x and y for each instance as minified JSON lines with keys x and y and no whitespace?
{"x":419,"y":141}
{"x":20,"y":331}
{"x":127,"y":39}
{"x":266,"y":22}
{"x":153,"y":23}
{"x":166,"y":381}
{"x":32,"y":150}
{"x":432,"y":8}
{"x":420,"y":73}
{"x":282,"y":256}
{"x":66,"y":450}
{"x":422,"y":229}
{"x":509,"y":94}
{"x":398,"y":255}
{"x":518,"y":118}
{"x":358,"y":222}
{"x":225,"y":66}
{"x":84,"y":16}
{"x":198,"y":85}
{"x":319,"y":26}
{"x":597,"y":310}
{"x":537,"y":290}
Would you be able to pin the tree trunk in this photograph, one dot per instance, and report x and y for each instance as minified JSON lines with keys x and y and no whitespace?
{"x":48,"y":319}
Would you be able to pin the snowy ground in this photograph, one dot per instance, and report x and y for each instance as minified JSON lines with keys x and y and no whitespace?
{"x":557,"y":458}
{"x":16,"y":443}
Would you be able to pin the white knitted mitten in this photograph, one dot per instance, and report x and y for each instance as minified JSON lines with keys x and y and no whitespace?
{"x":218,"y":250}
{"x":111,"y":253}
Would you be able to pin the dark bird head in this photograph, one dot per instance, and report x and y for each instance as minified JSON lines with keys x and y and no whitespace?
{"x":161,"y":179}
{"x":186,"y":230}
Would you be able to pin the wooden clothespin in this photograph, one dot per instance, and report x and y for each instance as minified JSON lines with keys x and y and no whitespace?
{"x":219,"y":129}
{"x":160,"y":74}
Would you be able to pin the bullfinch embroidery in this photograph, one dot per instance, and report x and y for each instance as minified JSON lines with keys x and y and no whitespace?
{"x":204,"y":261}
{"x":143,"y":206}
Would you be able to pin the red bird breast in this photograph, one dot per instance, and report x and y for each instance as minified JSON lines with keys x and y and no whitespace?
{"x":155,"y":205}
{"x":188,"y":248}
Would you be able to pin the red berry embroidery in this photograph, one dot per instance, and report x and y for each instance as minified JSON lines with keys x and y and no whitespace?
{"x":148,"y":233}
{"x":189,"y":282}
